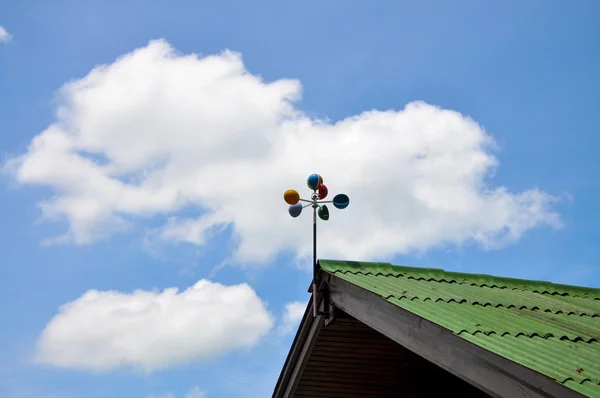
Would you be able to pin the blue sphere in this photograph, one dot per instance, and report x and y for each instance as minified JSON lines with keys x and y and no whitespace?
{"x":313,"y":181}
{"x":341,"y":201}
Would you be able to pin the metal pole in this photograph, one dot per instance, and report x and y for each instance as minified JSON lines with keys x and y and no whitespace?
{"x":314,"y":284}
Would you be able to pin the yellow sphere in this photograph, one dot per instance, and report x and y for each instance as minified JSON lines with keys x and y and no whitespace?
{"x":291,"y":197}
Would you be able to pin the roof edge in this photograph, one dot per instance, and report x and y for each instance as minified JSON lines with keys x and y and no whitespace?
{"x":298,"y":353}
{"x":332,"y":266}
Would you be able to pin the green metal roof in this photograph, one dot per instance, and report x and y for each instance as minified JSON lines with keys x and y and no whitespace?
{"x":551,"y":328}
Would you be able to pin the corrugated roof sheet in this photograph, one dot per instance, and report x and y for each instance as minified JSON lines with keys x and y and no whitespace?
{"x":551,"y":328}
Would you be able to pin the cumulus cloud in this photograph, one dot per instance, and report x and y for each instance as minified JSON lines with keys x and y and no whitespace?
{"x":157,"y":132}
{"x":151,"y":330}
{"x":5,"y":37}
{"x":292,"y":315}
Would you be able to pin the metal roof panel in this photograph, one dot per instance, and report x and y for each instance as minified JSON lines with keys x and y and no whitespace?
{"x":551,"y":328}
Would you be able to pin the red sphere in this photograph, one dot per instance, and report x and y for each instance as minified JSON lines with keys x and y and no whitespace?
{"x":322,"y":191}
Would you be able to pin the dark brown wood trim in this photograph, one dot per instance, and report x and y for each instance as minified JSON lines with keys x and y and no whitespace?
{"x":305,"y":352}
{"x":497,"y":376}
{"x":299,"y":352}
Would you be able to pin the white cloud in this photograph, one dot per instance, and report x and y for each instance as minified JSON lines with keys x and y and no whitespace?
{"x":5,"y":37}
{"x":292,"y":315}
{"x":157,"y":132}
{"x":151,"y":330}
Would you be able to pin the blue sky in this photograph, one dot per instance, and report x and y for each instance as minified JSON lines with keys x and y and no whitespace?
{"x":166,"y":167}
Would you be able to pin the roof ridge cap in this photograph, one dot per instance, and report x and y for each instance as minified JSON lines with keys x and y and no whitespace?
{"x":441,"y":274}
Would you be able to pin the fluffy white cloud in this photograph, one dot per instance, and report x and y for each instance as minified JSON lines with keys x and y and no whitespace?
{"x":5,"y":37}
{"x":150,"y":330}
{"x":157,"y":132}
{"x":292,"y":315}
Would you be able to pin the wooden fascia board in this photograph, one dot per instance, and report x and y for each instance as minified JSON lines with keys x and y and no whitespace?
{"x":487,"y":371}
{"x":299,"y":353}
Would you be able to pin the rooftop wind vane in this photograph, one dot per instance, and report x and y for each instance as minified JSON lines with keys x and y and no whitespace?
{"x":292,"y":197}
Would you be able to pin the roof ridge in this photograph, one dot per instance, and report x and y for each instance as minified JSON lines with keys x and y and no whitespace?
{"x":440,"y":275}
